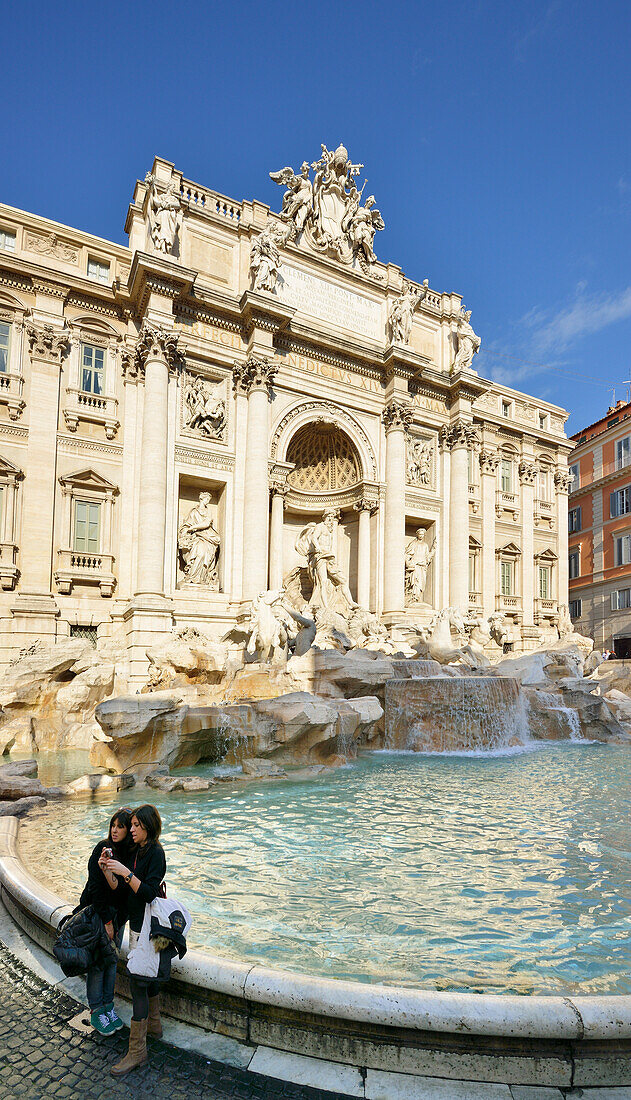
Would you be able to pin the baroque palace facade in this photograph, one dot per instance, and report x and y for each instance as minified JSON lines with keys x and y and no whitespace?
{"x":177,"y":417}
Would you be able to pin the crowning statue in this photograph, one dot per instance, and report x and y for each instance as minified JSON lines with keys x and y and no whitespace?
{"x":330,"y":208}
{"x":198,"y":545}
{"x":315,"y":542}
{"x":205,"y":408}
{"x":265,"y":260}
{"x":402,"y":311}
{"x":418,"y":558}
{"x":468,"y":343}
{"x":165,"y":215}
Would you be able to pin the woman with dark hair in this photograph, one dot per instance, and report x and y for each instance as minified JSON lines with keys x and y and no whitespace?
{"x":144,"y":877}
{"x":107,"y":893}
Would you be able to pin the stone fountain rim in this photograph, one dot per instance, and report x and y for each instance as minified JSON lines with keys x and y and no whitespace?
{"x":517,"y":1016}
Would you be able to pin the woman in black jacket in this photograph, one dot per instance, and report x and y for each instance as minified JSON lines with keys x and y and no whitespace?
{"x":144,"y":876}
{"x":107,"y":893}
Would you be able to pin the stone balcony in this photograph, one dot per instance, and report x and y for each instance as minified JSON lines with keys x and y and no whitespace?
{"x":475,"y":600}
{"x":545,"y":610}
{"x":543,"y":513}
{"x":97,"y":408}
{"x":77,"y":567}
{"x":11,"y":393}
{"x":9,"y":571}
{"x":506,"y":503}
{"x":509,"y":605}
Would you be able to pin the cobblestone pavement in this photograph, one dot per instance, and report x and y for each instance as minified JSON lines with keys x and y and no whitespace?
{"x":42,"y":1058}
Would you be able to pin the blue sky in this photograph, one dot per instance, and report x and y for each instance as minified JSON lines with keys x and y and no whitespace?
{"x":495,"y":135}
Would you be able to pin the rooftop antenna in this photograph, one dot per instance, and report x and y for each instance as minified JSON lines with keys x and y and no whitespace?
{"x":613,"y":399}
{"x":627,"y":382}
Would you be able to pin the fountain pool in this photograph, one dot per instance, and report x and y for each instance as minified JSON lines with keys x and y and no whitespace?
{"x":491,"y":873}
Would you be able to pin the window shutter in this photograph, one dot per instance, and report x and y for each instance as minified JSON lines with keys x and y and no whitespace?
{"x":613,"y":511}
{"x":614,"y":601}
{"x":579,"y":519}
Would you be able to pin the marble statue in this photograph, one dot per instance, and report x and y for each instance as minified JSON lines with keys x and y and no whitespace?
{"x":330,"y":208}
{"x":440,"y":644}
{"x":204,"y":407}
{"x":419,"y":461}
{"x":418,"y":557}
{"x":315,"y":542}
{"x":402,"y":311}
{"x":468,"y":343}
{"x":275,"y":627}
{"x":297,"y":205}
{"x":165,"y":215}
{"x":265,"y":260}
{"x":565,"y":625}
{"x":198,"y":545}
{"x":500,"y":630}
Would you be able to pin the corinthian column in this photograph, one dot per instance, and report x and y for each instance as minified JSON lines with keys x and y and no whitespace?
{"x":255,"y":378}
{"x":489,"y":461}
{"x":561,"y":485}
{"x":397,"y":417}
{"x":458,"y":438}
{"x":528,"y":473}
{"x":279,"y":492}
{"x":157,"y":355}
{"x":365,"y":508}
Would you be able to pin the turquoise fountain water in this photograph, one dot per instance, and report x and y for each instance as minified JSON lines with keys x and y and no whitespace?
{"x":483,"y":872}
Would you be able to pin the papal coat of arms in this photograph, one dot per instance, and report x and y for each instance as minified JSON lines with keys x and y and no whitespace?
{"x":328,"y":209}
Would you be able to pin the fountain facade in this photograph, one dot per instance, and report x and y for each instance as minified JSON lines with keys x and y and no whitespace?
{"x":455,"y":714}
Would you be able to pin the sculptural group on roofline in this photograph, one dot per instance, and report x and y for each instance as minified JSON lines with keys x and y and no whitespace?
{"x":329,"y":208}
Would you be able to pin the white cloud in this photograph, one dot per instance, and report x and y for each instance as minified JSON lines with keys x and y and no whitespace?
{"x":553,"y":332}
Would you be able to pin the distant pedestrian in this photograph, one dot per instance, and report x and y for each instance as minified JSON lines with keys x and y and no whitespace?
{"x":107,"y":893}
{"x":143,"y":875}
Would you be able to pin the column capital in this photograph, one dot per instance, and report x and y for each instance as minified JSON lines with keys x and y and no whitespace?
{"x":156,"y":342}
{"x":279,"y":488}
{"x":397,"y":416}
{"x":255,"y":373}
{"x":459,"y":434}
{"x":528,"y":472}
{"x":366,"y":504}
{"x":489,"y":461}
{"x":47,"y":343}
{"x":562,"y":480}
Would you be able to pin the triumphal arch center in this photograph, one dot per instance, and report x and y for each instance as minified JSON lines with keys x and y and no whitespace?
{"x":246,"y":400}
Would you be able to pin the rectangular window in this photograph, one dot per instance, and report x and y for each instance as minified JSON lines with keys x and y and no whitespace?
{"x":544,"y":582}
{"x":7,"y":240}
{"x":472,"y":572}
{"x":574,"y":520}
{"x":574,"y":562}
{"x":576,"y":609}
{"x":575,"y":476}
{"x":620,"y":501}
{"x":506,"y":408}
{"x":543,"y":422}
{"x":623,"y":550}
{"x":506,"y":578}
{"x":5,"y":335}
{"x":92,"y":368}
{"x":98,"y":270}
{"x":623,"y":452}
{"x":621,"y":599}
{"x":543,"y":485}
{"x":87,"y":523}
{"x":507,"y":475}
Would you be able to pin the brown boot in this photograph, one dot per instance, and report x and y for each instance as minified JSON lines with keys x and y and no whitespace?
{"x":154,"y":1023}
{"x":137,"y":1051}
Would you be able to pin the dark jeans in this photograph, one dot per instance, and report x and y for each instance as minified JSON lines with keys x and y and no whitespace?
{"x":141,"y":990}
{"x":100,"y":981}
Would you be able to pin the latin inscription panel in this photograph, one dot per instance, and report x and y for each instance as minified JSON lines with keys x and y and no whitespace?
{"x":330,"y":303}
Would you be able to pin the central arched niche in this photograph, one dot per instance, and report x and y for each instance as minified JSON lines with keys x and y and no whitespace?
{"x":324,"y":459}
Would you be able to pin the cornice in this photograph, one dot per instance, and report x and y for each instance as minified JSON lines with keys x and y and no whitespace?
{"x":156,"y":274}
{"x":77,"y":444}
{"x":84,"y":301}
{"x":287,"y":343}
{"x":15,"y":433}
{"x":208,"y":316}
{"x":212,"y":459}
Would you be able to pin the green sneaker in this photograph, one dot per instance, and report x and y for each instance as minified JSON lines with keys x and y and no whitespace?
{"x":114,"y":1018}
{"x":101,"y":1022}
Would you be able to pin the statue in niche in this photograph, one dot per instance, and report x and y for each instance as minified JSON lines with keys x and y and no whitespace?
{"x":265,"y":260}
{"x":205,"y":407}
{"x":468,"y":342}
{"x":198,"y":545}
{"x":315,"y":542}
{"x":402,"y":311}
{"x":418,"y":558}
{"x":297,"y":204}
{"x":165,"y":215}
{"x":419,"y":460}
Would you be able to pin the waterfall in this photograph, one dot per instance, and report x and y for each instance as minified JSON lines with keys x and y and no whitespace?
{"x":463,"y":714}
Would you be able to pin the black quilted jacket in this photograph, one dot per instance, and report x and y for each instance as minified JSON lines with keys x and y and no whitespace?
{"x":82,"y":942}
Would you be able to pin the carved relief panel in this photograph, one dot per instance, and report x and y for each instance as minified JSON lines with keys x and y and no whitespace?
{"x":420,"y":461}
{"x":204,"y":407}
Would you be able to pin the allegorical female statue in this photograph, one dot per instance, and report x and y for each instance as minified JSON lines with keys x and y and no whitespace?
{"x":418,"y":558}
{"x":198,"y":545}
{"x":165,"y":216}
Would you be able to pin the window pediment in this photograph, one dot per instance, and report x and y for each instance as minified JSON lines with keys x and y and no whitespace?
{"x":546,"y":557}
{"x":8,"y":471}
{"x":511,"y":550}
{"x":88,"y":480}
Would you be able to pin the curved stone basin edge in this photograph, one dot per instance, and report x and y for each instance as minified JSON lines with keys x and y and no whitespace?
{"x":537,"y":1017}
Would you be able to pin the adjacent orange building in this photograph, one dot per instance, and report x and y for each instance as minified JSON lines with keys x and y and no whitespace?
{"x":599,"y":522}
